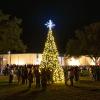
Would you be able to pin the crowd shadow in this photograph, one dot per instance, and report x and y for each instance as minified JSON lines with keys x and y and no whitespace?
{"x":27,"y":94}
{"x":4,"y":85}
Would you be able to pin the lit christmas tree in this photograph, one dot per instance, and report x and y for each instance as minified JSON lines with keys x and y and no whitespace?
{"x":50,"y":56}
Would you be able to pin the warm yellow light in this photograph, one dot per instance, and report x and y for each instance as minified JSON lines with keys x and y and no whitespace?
{"x":92,"y":63}
{"x":37,"y":62}
{"x":50,"y":58}
{"x":73,"y":61}
{"x":21,"y":62}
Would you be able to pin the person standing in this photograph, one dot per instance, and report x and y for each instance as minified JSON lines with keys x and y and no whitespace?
{"x":37,"y":77}
{"x":71,"y":76}
{"x":18,"y":74}
{"x":30,"y":78}
{"x":44,"y":79}
{"x":10,"y":75}
{"x":76,"y":72}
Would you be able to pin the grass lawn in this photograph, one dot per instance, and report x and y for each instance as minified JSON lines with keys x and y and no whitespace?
{"x":85,"y":89}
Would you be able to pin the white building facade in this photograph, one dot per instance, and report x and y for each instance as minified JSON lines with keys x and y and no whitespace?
{"x":35,"y":59}
{"x":22,"y":59}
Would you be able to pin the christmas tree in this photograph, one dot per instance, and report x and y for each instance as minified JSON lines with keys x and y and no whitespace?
{"x":50,"y":56}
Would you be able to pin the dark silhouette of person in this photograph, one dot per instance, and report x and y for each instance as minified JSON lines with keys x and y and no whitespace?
{"x":76,"y":72}
{"x":26,"y":74}
{"x":37,"y":77}
{"x":30,"y":78}
{"x":71,"y":76}
{"x":18,"y":74}
{"x":10,"y":75}
{"x":44,"y":79}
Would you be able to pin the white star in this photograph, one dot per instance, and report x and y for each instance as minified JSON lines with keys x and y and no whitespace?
{"x":50,"y":24}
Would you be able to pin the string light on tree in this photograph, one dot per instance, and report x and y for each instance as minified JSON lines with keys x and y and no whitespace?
{"x":50,"y":55}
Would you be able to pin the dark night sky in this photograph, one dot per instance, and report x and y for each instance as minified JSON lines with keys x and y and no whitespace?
{"x":68,"y":16}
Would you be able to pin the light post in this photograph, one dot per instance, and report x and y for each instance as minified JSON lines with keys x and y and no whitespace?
{"x":9,"y":54}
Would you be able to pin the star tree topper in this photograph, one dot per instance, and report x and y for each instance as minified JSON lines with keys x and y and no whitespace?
{"x":50,"y":24}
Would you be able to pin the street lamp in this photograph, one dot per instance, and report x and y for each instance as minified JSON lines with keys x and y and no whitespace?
{"x":9,"y":54}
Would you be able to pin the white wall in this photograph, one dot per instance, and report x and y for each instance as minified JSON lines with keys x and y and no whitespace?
{"x":34,"y":58}
{"x":27,"y":58}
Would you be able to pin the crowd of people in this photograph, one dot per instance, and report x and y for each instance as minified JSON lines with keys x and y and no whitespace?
{"x":72,"y":73}
{"x":28,"y":74}
{"x":95,"y":72}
